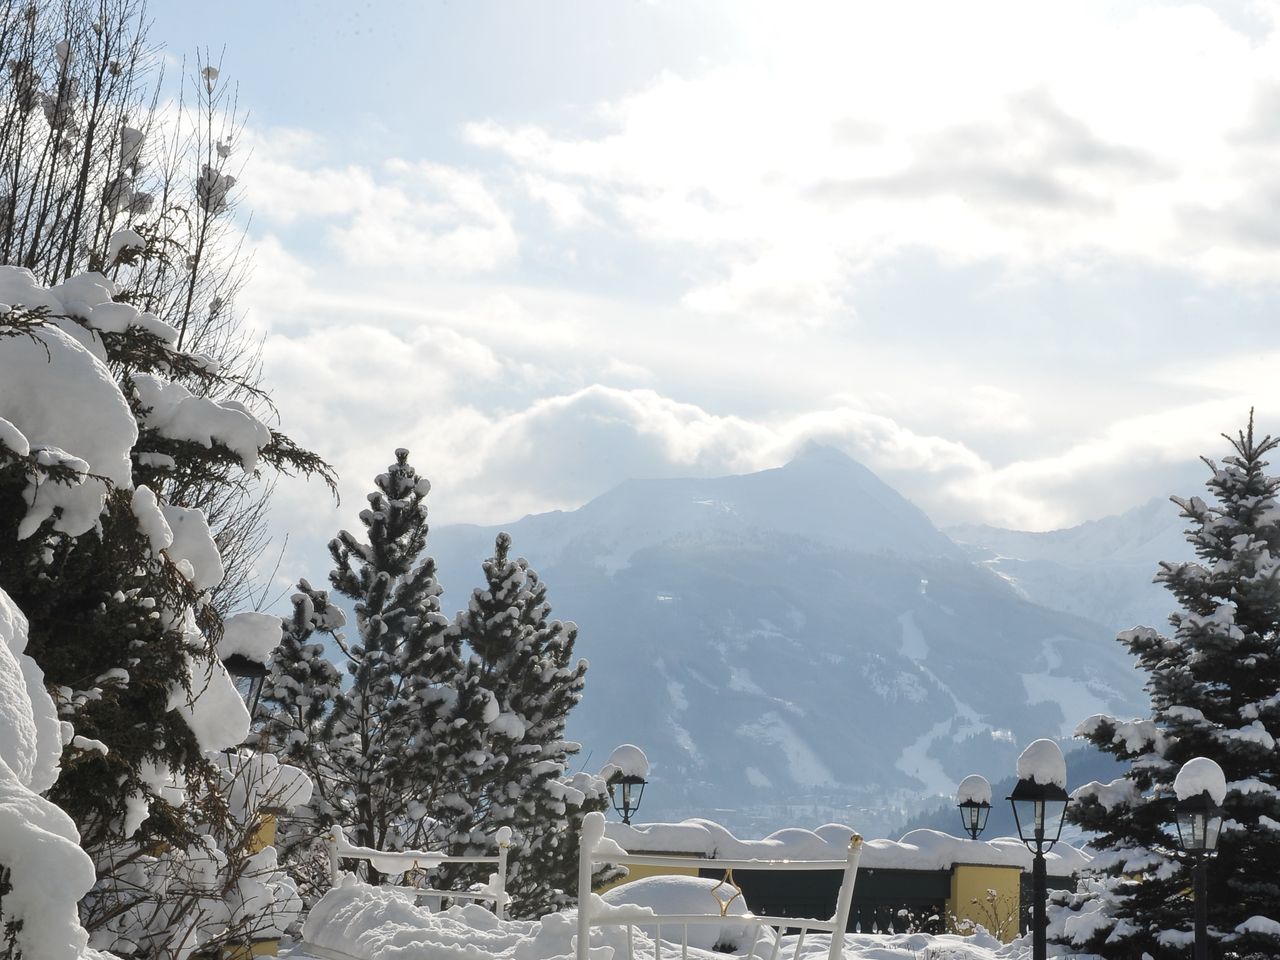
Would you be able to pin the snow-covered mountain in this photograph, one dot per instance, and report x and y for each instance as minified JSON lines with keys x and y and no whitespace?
{"x":1102,"y":569}
{"x":798,"y":645}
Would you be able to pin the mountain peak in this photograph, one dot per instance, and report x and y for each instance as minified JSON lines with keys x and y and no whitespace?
{"x":821,"y":495}
{"x":815,"y":452}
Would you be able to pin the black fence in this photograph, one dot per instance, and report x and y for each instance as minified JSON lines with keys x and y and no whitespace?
{"x":884,"y":901}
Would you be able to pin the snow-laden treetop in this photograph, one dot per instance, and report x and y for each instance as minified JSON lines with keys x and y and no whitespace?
{"x":1201,"y":775}
{"x":974,"y":789}
{"x":1043,"y":763}
{"x":629,"y":760}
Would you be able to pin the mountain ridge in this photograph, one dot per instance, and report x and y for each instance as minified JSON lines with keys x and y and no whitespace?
{"x":799,"y":644}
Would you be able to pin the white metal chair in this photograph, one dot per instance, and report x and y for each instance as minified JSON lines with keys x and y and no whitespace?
{"x":422,"y":860}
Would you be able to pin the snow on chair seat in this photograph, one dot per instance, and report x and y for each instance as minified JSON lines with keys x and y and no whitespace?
{"x":593,"y":912}
{"x":404,"y":861}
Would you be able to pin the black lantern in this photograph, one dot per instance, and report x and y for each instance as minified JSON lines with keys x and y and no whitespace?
{"x":626,"y":792}
{"x":975,"y":807}
{"x":249,"y":676}
{"x":1038,"y":809}
{"x":1199,"y":821}
{"x":973,"y":814}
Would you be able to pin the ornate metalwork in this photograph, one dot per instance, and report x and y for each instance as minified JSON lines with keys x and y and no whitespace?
{"x":726,"y":881}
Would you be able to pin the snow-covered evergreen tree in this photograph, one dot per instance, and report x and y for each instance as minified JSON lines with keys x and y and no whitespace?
{"x":115,"y":585}
{"x":391,"y":750}
{"x":1215,"y":692}
{"x":526,"y":661}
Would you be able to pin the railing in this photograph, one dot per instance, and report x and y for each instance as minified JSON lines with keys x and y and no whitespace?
{"x":418,"y":862}
{"x":596,"y":850}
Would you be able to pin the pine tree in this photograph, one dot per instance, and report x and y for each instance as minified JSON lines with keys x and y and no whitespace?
{"x":526,"y":661}
{"x":1215,"y":692}
{"x":390,"y":750}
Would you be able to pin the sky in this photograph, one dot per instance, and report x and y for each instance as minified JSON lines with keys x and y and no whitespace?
{"x":1020,"y":259}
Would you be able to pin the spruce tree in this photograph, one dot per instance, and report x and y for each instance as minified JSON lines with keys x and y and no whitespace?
{"x":391,"y":749}
{"x":526,"y":662}
{"x":1215,"y":692}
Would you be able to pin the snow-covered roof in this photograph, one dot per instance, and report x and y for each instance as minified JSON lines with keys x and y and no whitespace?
{"x":917,"y":850}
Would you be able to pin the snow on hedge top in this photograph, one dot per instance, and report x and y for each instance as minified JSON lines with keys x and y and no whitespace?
{"x":917,"y":850}
{"x":628,"y":760}
{"x":1043,"y":763}
{"x":250,"y":634}
{"x":974,"y":789}
{"x":1201,"y":775}
{"x":63,"y":402}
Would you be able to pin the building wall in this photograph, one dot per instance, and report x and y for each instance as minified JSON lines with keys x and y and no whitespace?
{"x":984,"y":895}
{"x":640,"y":871}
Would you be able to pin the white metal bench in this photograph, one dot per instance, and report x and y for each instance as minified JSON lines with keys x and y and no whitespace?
{"x":595,"y":849}
{"x":420,"y":861}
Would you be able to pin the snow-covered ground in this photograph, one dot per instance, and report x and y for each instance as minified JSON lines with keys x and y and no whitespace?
{"x":365,"y":923}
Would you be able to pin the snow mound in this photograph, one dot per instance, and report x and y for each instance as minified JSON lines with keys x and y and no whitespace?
{"x":366,"y":922}
{"x":63,"y":401}
{"x":1201,"y":775}
{"x":39,"y":844}
{"x":1042,"y":762}
{"x":250,"y":634}
{"x":974,"y":788}
{"x":628,"y":760}
{"x":175,"y":412}
{"x":687,"y":895}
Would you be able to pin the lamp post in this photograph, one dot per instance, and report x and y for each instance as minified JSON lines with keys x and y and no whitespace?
{"x":1200,"y":787}
{"x":625,"y":772}
{"x":626,"y":799}
{"x":249,"y":676}
{"x":973,"y":797}
{"x":1039,"y":802}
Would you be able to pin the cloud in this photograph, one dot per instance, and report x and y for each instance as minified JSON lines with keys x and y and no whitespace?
{"x":1040,"y":138}
{"x":400,"y":214}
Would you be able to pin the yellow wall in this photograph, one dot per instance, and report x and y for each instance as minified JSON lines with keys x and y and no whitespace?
{"x":264,"y":835}
{"x":259,"y":948}
{"x":640,"y":871}
{"x":971,"y":899}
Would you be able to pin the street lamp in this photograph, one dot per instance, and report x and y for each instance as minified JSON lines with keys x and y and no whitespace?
{"x":1039,"y":801}
{"x":627,"y":799}
{"x":625,"y":772}
{"x":973,"y":797}
{"x":1200,"y":787}
{"x":249,"y":676}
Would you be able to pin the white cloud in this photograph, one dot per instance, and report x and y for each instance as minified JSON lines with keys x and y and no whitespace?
{"x":856,"y":230}
{"x":402,"y":214}
{"x":1034,"y":135}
